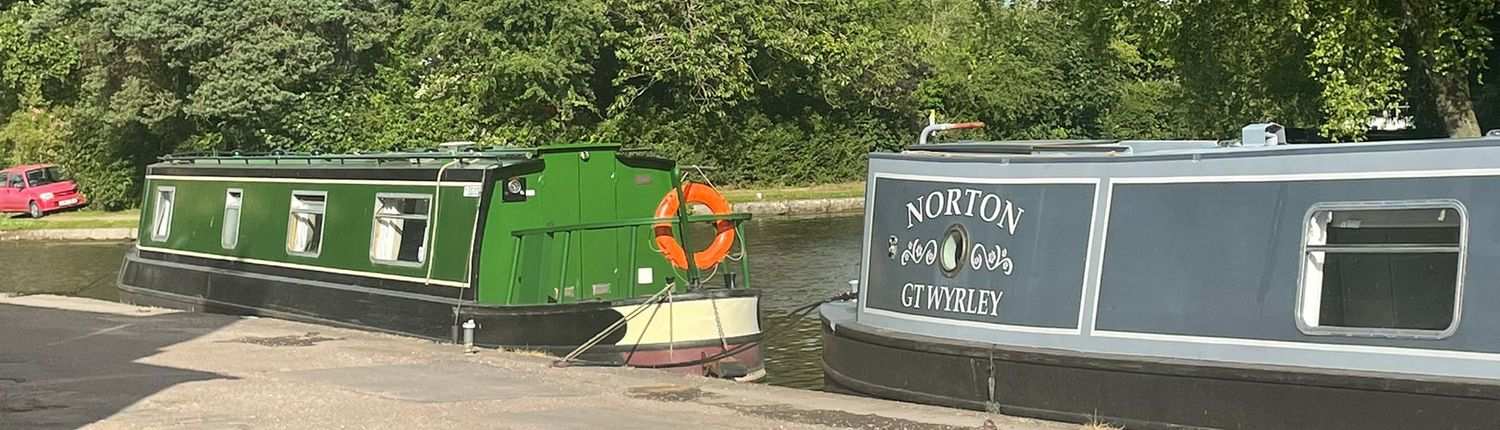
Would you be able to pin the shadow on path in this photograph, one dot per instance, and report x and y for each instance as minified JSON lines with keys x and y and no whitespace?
{"x":66,"y":369}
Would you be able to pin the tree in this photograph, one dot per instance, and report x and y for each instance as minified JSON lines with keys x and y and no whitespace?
{"x":1324,"y":63}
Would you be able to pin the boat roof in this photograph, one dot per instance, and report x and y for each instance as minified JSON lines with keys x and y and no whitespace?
{"x":469,"y":156}
{"x":1128,"y":149}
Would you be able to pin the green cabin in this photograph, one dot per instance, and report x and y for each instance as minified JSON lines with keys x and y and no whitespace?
{"x":559,"y":224}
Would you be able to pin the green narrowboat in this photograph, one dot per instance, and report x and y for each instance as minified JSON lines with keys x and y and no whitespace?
{"x":564,"y":249}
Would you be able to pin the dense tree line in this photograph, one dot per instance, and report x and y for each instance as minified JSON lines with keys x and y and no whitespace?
{"x":772,"y":92}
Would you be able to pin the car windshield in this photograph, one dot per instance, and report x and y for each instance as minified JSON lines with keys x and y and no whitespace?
{"x":44,"y":176}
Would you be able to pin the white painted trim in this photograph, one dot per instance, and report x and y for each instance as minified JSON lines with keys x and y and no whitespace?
{"x":304,"y":181}
{"x":1109,"y":202}
{"x":869,"y":228}
{"x":1096,"y":241}
{"x":1311,"y":346}
{"x":1392,"y":174}
{"x":413,"y":279}
{"x":975,"y":324}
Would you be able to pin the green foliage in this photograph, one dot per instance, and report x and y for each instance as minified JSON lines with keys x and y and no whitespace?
{"x":1328,"y":64}
{"x":770,"y":93}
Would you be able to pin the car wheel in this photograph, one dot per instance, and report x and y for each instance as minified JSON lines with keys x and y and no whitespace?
{"x":33,"y":210}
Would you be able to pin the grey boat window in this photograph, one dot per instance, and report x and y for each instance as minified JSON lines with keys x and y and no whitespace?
{"x":1391,"y":269}
{"x":234,"y":199}
{"x":304,"y":229}
{"x":161,"y":213}
{"x":400,"y":233}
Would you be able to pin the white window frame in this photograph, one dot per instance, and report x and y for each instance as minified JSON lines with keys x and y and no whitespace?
{"x":426,"y":232}
{"x":161,"y":222}
{"x":226,"y":240}
{"x":292,"y":213}
{"x":1310,"y":276}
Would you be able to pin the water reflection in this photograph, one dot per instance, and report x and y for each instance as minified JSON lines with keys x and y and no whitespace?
{"x":793,"y":262}
{"x":83,"y":269}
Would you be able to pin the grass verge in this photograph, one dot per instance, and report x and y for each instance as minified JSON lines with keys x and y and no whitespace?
{"x":827,"y":191}
{"x":71,"y":220}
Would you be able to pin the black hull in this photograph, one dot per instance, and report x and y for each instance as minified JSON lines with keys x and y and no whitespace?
{"x":554,"y":329}
{"x":1143,"y":393}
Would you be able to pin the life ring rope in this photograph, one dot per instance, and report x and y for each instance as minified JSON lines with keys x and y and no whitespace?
{"x":666,"y":239}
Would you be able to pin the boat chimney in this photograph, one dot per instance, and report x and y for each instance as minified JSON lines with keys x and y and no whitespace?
{"x":1263,"y":134}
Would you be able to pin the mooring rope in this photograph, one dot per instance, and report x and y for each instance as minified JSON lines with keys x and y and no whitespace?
{"x":650,"y":302}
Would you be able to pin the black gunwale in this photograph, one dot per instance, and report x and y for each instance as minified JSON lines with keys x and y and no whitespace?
{"x":1280,"y":374}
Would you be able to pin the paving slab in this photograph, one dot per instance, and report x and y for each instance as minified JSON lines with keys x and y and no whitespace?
{"x":79,"y":363}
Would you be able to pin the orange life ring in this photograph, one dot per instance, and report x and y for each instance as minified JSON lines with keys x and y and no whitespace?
{"x":717,"y":250}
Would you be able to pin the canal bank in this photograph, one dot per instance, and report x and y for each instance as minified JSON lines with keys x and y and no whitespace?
{"x":74,"y":362}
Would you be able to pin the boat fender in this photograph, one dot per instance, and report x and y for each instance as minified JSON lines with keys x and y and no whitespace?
{"x":667,"y":241}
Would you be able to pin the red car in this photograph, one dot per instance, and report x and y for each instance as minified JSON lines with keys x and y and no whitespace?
{"x":38,"y":189}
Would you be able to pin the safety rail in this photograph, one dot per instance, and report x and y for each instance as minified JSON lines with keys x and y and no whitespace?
{"x":634,"y":225}
{"x":448,"y":152}
{"x":309,"y":157}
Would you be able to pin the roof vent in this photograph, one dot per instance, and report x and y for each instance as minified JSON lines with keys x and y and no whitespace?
{"x":457,"y":145}
{"x":1263,"y":134}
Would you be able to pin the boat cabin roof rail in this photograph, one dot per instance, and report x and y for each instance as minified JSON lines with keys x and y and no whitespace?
{"x":449,"y":151}
{"x":1268,"y":136}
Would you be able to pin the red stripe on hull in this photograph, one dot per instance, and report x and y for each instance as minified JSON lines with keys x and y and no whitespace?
{"x":739,"y":364}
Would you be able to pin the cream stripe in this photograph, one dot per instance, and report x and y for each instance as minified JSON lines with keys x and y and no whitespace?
{"x":413,"y":279}
{"x":688,"y":321}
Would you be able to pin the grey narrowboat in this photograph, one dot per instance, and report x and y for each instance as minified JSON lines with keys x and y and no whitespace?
{"x":1182,"y":284}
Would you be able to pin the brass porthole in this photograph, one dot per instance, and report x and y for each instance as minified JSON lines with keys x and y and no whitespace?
{"x":952,"y":250}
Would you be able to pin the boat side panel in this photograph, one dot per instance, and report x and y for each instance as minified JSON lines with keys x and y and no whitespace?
{"x":198,"y":216}
{"x":585,"y":265}
{"x":1021,"y":265}
{"x":1222,"y":259}
{"x":1314,"y":352}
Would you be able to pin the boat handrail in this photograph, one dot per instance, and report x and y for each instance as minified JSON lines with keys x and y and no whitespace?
{"x":604,"y":225}
{"x":508,"y":154}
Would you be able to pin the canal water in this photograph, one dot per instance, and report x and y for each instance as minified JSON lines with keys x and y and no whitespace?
{"x":792,"y":261}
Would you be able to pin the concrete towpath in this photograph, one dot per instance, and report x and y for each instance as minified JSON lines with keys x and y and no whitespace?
{"x":71,"y":362}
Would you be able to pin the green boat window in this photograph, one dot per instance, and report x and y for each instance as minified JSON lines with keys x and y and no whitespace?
{"x":161,"y":213}
{"x":304,"y":231}
{"x":233,"y":200}
{"x":400,"y":233}
{"x":1384,"y":269}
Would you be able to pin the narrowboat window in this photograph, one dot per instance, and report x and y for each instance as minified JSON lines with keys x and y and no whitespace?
{"x":400,"y":234}
{"x":233,"y":199}
{"x":1383,"y":269}
{"x":304,"y":231}
{"x":161,"y":213}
